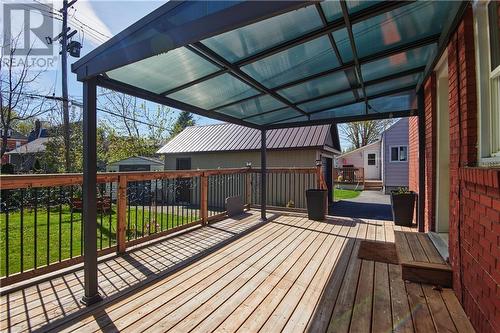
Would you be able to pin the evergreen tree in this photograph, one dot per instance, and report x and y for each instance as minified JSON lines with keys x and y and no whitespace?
{"x":184,"y":120}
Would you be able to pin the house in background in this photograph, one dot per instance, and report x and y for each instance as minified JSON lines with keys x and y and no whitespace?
{"x":385,"y":161}
{"x":234,"y":146}
{"x":24,"y":157}
{"x":14,"y":140}
{"x":136,"y":163}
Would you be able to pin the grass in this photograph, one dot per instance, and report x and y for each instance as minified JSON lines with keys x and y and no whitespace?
{"x":339,"y":194}
{"x":63,"y":228}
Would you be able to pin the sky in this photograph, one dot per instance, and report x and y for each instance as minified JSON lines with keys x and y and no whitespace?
{"x":96,"y":21}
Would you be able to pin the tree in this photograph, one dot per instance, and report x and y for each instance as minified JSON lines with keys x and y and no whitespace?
{"x":125,"y":116}
{"x":362,"y":133}
{"x":184,"y":120}
{"x":19,"y":102}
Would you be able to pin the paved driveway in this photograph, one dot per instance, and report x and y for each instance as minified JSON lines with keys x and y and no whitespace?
{"x":369,"y":204}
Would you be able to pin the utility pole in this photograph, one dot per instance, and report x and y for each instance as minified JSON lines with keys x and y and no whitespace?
{"x":64,"y":65}
{"x":73,"y":47}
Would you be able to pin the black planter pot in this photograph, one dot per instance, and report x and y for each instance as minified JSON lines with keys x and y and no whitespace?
{"x":316,"y":204}
{"x":403,"y":207}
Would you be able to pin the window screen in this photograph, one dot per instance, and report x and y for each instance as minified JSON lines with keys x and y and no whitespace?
{"x":399,"y":154}
{"x":371,"y":159}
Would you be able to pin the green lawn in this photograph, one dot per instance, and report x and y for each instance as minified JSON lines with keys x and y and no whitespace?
{"x":140,"y":223}
{"x":339,"y":194}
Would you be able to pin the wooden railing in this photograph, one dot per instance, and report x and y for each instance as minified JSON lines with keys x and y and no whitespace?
{"x":41,"y":226}
{"x":349,"y":175}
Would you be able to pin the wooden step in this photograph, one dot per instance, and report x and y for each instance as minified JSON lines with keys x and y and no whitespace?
{"x":420,"y":260}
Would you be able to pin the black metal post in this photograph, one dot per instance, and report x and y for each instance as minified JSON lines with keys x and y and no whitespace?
{"x":263,"y":171}
{"x":421,"y":160}
{"x":90,"y":193}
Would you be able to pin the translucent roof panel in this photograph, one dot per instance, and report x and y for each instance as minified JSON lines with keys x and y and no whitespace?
{"x":332,"y":9}
{"x":399,"y":62}
{"x":317,"y":87}
{"x":252,"y":107}
{"x":402,"y":25}
{"x":274,"y":117}
{"x":295,"y":63}
{"x":164,"y":71}
{"x":341,"y":38}
{"x":215,"y":92}
{"x":350,"y":110}
{"x":354,"y":6}
{"x":401,"y":82}
{"x":240,"y":43}
{"x":393,"y":103}
{"x":327,"y":102}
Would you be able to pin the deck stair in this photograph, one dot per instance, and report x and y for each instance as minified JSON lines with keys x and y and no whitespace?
{"x":420,"y":260}
{"x":373,"y":185}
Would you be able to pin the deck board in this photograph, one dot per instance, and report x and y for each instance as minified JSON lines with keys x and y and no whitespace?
{"x":290,"y":274}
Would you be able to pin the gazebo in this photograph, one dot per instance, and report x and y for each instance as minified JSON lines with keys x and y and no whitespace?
{"x":268,"y":65}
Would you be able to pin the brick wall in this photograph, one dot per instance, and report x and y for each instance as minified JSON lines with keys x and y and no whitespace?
{"x":474,"y":237}
{"x":413,"y":158}
{"x":474,"y":193}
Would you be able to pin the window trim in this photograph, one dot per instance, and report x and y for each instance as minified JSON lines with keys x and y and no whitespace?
{"x":485,"y":87}
{"x":399,"y":154}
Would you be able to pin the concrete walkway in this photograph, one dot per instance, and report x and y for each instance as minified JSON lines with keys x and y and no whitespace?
{"x":369,"y":205}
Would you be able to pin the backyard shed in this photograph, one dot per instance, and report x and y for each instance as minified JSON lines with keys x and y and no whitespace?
{"x":136,"y":163}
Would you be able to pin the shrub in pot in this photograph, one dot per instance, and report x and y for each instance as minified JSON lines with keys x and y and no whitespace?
{"x":403,"y":206}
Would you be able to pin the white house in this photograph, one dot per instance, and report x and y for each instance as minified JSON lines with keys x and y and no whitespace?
{"x":385,"y":160}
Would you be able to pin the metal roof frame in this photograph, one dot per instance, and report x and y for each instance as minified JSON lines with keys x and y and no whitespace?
{"x":241,"y":14}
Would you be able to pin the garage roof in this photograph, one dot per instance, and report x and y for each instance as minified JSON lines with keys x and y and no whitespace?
{"x":231,"y":137}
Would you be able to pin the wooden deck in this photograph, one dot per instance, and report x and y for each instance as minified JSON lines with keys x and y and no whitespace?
{"x":290,"y":274}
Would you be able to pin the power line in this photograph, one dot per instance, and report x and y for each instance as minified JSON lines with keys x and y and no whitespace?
{"x":80,"y":104}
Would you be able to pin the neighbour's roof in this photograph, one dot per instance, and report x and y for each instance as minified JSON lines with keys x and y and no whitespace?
{"x":270,"y":64}
{"x":231,"y":137}
{"x":33,"y":147}
{"x":15,"y":135}
{"x":145,"y":158}
{"x":360,"y":148}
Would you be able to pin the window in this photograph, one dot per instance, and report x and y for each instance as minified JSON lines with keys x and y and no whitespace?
{"x":18,"y":144}
{"x":399,"y":154}
{"x":487,"y":39}
{"x":372,"y":159}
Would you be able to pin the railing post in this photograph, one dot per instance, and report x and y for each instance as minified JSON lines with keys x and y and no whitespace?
{"x":204,"y":198}
{"x":121,"y":201}
{"x":248,"y":181}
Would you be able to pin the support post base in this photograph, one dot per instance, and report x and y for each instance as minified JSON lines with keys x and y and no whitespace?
{"x":87,"y":301}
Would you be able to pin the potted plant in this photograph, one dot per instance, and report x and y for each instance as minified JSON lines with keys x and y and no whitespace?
{"x":403,"y":206}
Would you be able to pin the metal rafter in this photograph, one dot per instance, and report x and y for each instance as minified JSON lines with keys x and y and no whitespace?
{"x":348,"y":119}
{"x":345,"y":14}
{"x":386,"y":93}
{"x":336,"y":49}
{"x":208,"y":53}
{"x":338,"y":24}
{"x":367,"y":84}
{"x":147,"y":95}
